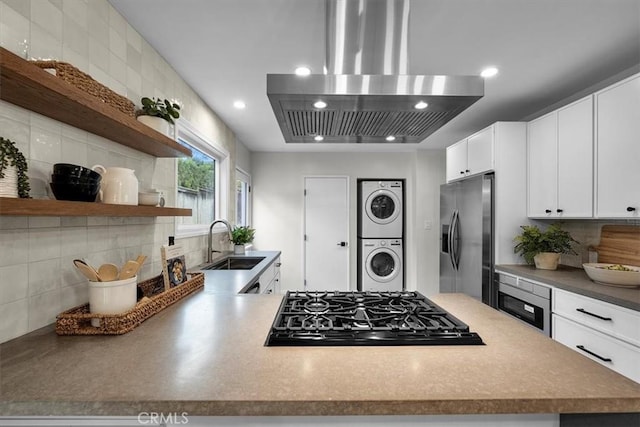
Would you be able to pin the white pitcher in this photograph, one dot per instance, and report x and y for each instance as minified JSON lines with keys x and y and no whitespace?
{"x":119,"y":186}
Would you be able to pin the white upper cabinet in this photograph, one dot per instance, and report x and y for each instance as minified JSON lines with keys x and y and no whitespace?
{"x":560,"y":162}
{"x":617,"y":133}
{"x":456,"y":160}
{"x":542,"y":158}
{"x":471,"y":156}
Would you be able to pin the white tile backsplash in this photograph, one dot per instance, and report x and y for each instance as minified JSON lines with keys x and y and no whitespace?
{"x":37,"y":276}
{"x":44,"y":243}
{"x":15,"y":319}
{"x":15,"y":32}
{"x":15,"y":283}
{"x":44,"y":276}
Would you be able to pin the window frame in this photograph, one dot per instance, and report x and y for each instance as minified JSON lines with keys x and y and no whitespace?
{"x":188,"y":133}
{"x":246,"y":177}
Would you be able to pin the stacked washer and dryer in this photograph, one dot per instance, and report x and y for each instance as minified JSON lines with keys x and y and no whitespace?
{"x":380,"y":235}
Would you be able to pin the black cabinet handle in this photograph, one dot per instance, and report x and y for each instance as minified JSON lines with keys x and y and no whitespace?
{"x":547,"y":211}
{"x":630,"y":209}
{"x":582,"y":310}
{"x":559,"y":210}
{"x":467,"y":170}
{"x":462,"y":172}
{"x":604,"y":359}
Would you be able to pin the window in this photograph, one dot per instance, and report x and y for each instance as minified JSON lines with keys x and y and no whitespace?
{"x":200,"y":182}
{"x":243,"y":199}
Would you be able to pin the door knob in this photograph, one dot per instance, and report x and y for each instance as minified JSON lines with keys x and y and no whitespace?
{"x":342,"y":244}
{"x":630,"y":209}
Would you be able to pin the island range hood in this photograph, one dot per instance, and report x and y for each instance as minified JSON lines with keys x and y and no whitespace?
{"x":368,"y":96}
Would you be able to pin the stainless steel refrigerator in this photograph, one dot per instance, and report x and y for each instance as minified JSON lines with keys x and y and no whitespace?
{"x":467,"y":242}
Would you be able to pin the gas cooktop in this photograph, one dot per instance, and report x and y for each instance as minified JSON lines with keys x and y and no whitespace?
{"x":365,"y":318}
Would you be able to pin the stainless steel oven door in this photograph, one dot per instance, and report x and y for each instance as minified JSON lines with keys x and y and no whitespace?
{"x":532,"y":309}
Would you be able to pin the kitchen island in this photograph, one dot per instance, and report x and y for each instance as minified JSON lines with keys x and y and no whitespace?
{"x":205,"y":356}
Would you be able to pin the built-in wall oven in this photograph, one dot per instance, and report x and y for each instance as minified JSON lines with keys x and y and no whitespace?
{"x":525,"y":300}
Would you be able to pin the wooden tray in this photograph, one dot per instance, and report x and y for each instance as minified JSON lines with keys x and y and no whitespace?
{"x":619,"y":244}
{"x":77,"y":321}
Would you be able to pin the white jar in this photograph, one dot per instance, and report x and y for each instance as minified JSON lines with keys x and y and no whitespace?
{"x":119,"y":186}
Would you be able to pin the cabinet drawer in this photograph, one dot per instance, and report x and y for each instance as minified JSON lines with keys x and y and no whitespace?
{"x":602,"y":316}
{"x":610,"y":352}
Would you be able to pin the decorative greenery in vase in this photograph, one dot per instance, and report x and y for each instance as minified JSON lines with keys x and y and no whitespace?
{"x":157,"y":108}
{"x":11,"y":156}
{"x":241,"y":235}
{"x":533,"y":241}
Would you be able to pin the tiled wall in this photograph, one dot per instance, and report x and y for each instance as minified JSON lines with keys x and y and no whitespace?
{"x":37,"y":279}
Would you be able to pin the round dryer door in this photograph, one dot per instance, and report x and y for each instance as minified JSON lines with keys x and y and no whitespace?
{"x":383,"y":265}
{"x":382,"y":206}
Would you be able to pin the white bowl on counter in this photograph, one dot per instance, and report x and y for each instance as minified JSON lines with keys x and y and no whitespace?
{"x":600,"y":273}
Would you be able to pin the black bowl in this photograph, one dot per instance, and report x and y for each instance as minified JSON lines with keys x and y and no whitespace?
{"x":75,"y":171}
{"x":68,"y":179}
{"x":75,"y":192}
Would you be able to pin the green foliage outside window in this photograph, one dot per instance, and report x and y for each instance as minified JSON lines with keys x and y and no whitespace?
{"x":195,"y":174}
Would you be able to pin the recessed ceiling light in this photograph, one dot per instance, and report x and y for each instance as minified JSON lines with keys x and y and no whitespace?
{"x":421,"y":105}
{"x":303,"y":71}
{"x":320,"y":104}
{"x":318,"y":137}
{"x":240,"y":105}
{"x":390,"y":138}
{"x":489,"y":72}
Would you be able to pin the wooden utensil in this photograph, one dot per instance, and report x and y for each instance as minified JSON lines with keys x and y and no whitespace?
{"x":108,"y":272}
{"x":141,"y":259}
{"x":88,"y":271}
{"x":129,"y":269}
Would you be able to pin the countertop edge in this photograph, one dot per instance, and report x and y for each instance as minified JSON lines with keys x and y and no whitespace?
{"x":322,"y":407}
{"x":520,"y":270}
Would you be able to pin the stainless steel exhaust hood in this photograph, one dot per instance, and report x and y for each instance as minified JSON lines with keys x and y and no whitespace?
{"x":368,"y":95}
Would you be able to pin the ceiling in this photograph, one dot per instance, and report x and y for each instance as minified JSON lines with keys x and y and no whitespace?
{"x":546,"y":50}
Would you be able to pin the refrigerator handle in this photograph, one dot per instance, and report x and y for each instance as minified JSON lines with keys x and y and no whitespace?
{"x":455,"y":256}
{"x":450,"y":240}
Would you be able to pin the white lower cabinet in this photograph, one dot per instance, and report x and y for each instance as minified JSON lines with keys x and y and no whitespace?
{"x":270,"y":279}
{"x":603,"y":332}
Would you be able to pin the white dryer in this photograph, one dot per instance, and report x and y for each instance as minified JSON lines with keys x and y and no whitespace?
{"x":381,"y":265}
{"x":381,"y":209}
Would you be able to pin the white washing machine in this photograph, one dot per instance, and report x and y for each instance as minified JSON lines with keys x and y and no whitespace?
{"x":381,"y":265}
{"x":381,"y":209}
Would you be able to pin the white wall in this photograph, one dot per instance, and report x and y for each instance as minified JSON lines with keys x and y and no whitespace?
{"x":278,"y":206}
{"x":37,"y":278}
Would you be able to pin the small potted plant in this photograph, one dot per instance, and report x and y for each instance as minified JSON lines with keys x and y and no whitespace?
{"x":158,"y":114}
{"x":14,"y":181}
{"x":543,"y":248}
{"x":240,"y":236}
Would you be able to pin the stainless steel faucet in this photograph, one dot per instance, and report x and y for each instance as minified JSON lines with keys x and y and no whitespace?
{"x":210,"y":240}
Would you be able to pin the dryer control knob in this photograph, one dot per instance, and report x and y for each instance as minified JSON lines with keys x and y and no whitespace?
{"x":382,"y":184}
{"x":383,"y":243}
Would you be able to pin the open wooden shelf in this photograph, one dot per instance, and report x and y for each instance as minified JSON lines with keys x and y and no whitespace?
{"x":40,"y":207}
{"x":30,"y":87}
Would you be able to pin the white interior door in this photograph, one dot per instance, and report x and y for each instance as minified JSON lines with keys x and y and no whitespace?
{"x":326,"y":233}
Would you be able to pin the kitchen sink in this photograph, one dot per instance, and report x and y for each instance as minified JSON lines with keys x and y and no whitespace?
{"x":232,"y":263}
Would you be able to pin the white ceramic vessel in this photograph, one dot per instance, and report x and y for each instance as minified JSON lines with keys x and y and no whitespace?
{"x":600,"y":274}
{"x":119,"y":186}
{"x":113,"y":297}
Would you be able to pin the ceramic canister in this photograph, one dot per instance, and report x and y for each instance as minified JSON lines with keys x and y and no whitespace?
{"x":119,"y":186}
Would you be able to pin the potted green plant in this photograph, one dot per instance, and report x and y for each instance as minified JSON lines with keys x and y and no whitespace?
{"x":158,"y":114}
{"x":240,"y":236}
{"x":14,"y":181}
{"x":543,"y":248}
